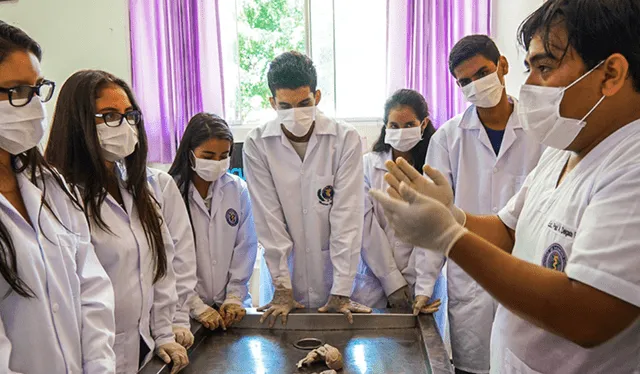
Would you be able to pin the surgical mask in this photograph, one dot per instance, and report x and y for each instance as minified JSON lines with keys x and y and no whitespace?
{"x":485,"y":92}
{"x":117,"y":142}
{"x":297,"y":120}
{"x":21,"y":128}
{"x":210,"y":170}
{"x":403,"y":139}
{"x":539,"y":114}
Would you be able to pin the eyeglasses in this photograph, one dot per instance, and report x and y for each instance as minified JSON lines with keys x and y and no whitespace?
{"x":114,"y":119}
{"x":20,"y":96}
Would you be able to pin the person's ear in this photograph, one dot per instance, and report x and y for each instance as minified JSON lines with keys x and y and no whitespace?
{"x":318,"y":96}
{"x":424,"y":124}
{"x":504,"y":65}
{"x":616,"y":72}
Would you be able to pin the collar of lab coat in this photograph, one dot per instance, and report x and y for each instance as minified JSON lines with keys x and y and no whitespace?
{"x":380,"y":158}
{"x":215,"y":192}
{"x":471,"y":120}
{"x":323,"y":126}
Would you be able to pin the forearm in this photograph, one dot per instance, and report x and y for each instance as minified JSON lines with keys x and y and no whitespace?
{"x":491,"y":229}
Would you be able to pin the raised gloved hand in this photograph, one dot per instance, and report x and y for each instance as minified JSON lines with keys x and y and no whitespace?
{"x":232,"y":313}
{"x":420,"y":220}
{"x":173,"y":352}
{"x":437,"y":188}
{"x":400,"y":298}
{"x":183,"y":336}
{"x":344,"y":305}
{"x":281,"y":305}
{"x":421,"y":305}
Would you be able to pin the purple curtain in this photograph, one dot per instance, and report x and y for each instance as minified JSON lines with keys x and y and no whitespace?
{"x":176,"y":67}
{"x":433,"y":28}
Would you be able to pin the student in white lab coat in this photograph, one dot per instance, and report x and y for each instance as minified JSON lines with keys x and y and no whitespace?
{"x":98,"y":143}
{"x":485,"y":155}
{"x":392,"y":272}
{"x":304,"y":172}
{"x":56,"y":301}
{"x":219,"y":209}
{"x":562,"y":257}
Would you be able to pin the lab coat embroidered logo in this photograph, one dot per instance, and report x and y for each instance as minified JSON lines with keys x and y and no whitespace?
{"x":232,"y":217}
{"x":325,"y":195}
{"x":555,"y":258}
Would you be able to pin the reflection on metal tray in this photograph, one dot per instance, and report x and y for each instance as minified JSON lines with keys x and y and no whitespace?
{"x":383,"y":342}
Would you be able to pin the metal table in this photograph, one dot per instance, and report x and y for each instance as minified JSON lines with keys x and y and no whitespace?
{"x":386,"y":341}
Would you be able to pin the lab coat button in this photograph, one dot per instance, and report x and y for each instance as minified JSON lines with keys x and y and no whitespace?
{"x":308,"y":250}
{"x":302,"y":171}
{"x":495,"y":170}
{"x":56,"y":307}
{"x":310,"y":290}
{"x":215,"y":262}
{"x":305,"y":211}
{"x":495,"y":209}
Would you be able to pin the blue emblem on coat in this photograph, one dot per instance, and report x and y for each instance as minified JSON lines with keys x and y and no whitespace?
{"x":555,"y":258}
{"x":232,"y":217}
{"x":325,"y":195}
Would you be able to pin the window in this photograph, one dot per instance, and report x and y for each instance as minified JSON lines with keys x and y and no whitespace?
{"x":345,"y":39}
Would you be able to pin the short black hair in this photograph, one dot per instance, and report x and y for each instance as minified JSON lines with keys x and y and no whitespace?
{"x":292,"y":70}
{"x":471,"y":46}
{"x":596,"y":29}
{"x":14,"y":39}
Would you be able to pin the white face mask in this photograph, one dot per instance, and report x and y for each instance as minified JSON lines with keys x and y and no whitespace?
{"x":485,"y":92}
{"x":21,"y":128}
{"x":539,"y":114}
{"x":210,"y":170}
{"x":403,"y":139}
{"x":297,"y":120}
{"x":117,"y":142}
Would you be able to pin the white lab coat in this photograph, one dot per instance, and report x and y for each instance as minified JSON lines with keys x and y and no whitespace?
{"x":175,"y":215}
{"x":387,"y":263}
{"x":226,"y":241}
{"x":308,"y":213}
{"x":588,"y":227}
{"x":143,"y":309}
{"x":68,"y":326}
{"x":483,"y":183}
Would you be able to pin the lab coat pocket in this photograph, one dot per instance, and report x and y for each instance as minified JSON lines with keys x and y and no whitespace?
{"x":513,"y":365}
{"x":323,"y":192}
{"x":68,"y":244}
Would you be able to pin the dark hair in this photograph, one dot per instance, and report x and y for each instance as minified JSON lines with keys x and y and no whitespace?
{"x":292,"y":70}
{"x":595,"y":29}
{"x":471,"y":46}
{"x":74,"y":149}
{"x":418,"y":104}
{"x":13,"y":39}
{"x":202,"y":127}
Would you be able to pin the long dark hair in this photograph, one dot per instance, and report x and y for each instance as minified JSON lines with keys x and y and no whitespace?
{"x":202,"y":127}
{"x":74,"y":149}
{"x":418,"y":104}
{"x":13,"y":39}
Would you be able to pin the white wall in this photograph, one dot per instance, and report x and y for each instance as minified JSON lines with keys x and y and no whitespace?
{"x":507,"y":17}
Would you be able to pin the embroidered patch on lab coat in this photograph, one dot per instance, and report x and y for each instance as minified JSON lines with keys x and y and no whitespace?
{"x":325,"y":195}
{"x":232,"y":217}
{"x":555,"y":258}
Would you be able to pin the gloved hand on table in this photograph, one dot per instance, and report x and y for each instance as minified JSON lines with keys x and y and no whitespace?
{"x":421,"y":220}
{"x":437,"y":188}
{"x":232,"y":313}
{"x":344,"y":305}
{"x":421,"y":306}
{"x":183,"y":336}
{"x":281,"y":305}
{"x":205,"y":314}
{"x":400,"y":298}
{"x":173,"y":352}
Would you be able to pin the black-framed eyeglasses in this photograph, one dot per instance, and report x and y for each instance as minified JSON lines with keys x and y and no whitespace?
{"x":114,"y":119}
{"x":20,"y":96}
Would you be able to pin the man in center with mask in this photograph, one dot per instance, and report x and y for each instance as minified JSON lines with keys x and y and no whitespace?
{"x":486,"y":157}
{"x":304,"y":173}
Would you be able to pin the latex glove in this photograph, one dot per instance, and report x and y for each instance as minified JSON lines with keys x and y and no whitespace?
{"x":401,"y":298}
{"x":281,"y":305}
{"x":232,"y":313}
{"x":420,"y":220}
{"x":437,"y":188}
{"x":211,"y":319}
{"x":421,"y":305}
{"x":183,"y":336}
{"x":344,"y":305}
{"x":173,"y":352}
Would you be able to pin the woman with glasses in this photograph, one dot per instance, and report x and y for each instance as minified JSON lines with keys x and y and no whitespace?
{"x":56,"y":301}
{"x":99,"y":144}
{"x":220,"y":212}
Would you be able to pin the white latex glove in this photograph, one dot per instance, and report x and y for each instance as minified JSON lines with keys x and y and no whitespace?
{"x":437,"y":188}
{"x":183,"y":336}
{"x":344,"y":305}
{"x":232,"y":313}
{"x":281,"y":305}
{"x":421,"y":305}
{"x":420,"y":220}
{"x":401,"y":298}
{"x":173,"y":352}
